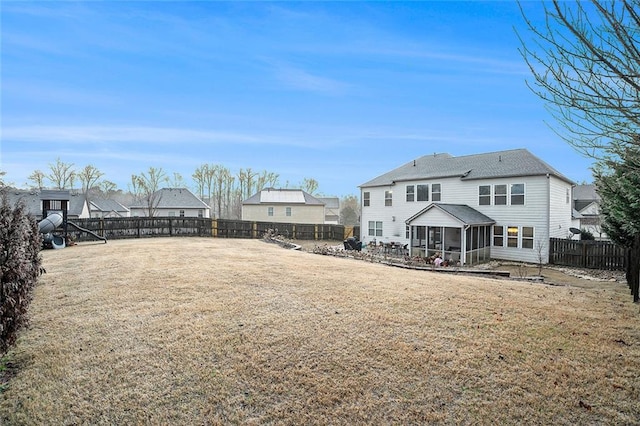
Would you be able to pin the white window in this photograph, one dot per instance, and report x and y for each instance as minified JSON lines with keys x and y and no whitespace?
{"x":375,"y":228}
{"x":270,"y":211}
{"x":436,"y":192}
{"x":527,"y":237}
{"x":172,"y":214}
{"x":517,"y":194}
{"x":181,"y":213}
{"x":200,"y":213}
{"x":288,"y":211}
{"x":484,"y":195}
{"x":411,"y":193}
{"x":423,"y":192}
{"x":388,"y":198}
{"x":512,"y":236}
{"x":498,"y":236}
{"x":500,"y":195}
{"x":407,"y":232}
{"x":366,"y":199}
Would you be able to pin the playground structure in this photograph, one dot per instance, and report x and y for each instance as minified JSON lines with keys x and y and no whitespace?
{"x":55,"y":206}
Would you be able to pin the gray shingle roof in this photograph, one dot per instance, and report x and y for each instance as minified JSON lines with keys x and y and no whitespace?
{"x":177,"y":198}
{"x":289,"y":196}
{"x":512,"y":163}
{"x":465,"y":214}
{"x":586,"y":193}
{"x":107,"y":205}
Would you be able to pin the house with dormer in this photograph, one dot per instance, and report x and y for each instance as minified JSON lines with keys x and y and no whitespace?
{"x":469,"y":209}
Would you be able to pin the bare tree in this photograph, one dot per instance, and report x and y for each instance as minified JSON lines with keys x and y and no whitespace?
{"x":37,"y":178}
{"x":89,"y":177}
{"x":586,"y":67}
{"x":61,"y":174}
{"x":309,"y":185}
{"x":146,"y":187}
{"x":585,"y":62}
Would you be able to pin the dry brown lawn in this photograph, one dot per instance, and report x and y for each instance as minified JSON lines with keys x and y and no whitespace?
{"x":212,"y":331}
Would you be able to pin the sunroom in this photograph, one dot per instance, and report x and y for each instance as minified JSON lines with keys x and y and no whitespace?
{"x":457,"y":233}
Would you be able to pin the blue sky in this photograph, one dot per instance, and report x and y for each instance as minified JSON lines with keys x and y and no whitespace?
{"x":336,"y":91}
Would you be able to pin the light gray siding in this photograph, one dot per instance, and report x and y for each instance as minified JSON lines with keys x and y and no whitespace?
{"x":545,"y":210}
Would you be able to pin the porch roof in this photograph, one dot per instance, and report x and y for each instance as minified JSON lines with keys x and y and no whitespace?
{"x":461,"y":212}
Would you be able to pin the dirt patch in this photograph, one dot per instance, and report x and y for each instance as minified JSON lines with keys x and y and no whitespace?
{"x":562,"y":276}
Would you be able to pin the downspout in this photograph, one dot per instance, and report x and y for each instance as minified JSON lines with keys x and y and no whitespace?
{"x":548,"y":215}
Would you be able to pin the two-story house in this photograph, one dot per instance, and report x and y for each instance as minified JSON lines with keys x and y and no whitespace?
{"x":498,"y":205}
{"x":284,"y":206}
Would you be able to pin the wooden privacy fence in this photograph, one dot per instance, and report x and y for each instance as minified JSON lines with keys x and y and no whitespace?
{"x":587,"y":254}
{"x":144,"y":227}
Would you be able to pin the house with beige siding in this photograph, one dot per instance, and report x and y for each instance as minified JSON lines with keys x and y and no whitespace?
{"x":469,"y":209}
{"x":283,"y":206}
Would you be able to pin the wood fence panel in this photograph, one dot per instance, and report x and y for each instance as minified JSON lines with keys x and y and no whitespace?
{"x":145,"y":227}
{"x":587,"y":254}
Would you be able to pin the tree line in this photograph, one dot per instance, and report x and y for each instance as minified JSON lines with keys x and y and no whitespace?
{"x":221,"y":188}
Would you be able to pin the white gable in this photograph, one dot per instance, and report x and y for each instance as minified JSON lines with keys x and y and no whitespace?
{"x":282,"y":197}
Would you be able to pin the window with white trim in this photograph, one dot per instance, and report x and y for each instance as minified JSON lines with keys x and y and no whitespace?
{"x":436,"y":192}
{"x":423,"y":193}
{"x":498,"y":236}
{"x":375,"y":228}
{"x":484,"y":195}
{"x":388,"y":198}
{"x":270,"y":211}
{"x":366,"y":199}
{"x":181,"y":213}
{"x":411,"y":193}
{"x":288,"y":211}
{"x":527,"y":237}
{"x":500,"y":195}
{"x":512,"y":236}
{"x":517,"y":194}
{"x":407,"y":232}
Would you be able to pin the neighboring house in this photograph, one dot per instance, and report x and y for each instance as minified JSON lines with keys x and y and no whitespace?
{"x":283,"y":206}
{"x":586,"y":203}
{"x":106,"y":208}
{"x":173,"y":202}
{"x":77,"y":208}
{"x":502,"y":205}
{"x":331,"y":210}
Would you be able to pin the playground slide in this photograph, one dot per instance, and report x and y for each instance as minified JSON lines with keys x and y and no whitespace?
{"x":79,"y":228}
{"x":47,"y":225}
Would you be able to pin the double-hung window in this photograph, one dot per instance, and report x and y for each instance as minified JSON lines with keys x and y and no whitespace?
{"x":423,"y":192}
{"x":527,"y":237}
{"x":388,"y":198}
{"x":512,"y":236}
{"x":436,"y":192}
{"x":484,"y":195}
{"x":500,"y":195}
{"x":288,"y":211}
{"x":498,"y":236}
{"x":411,"y":193}
{"x":270,"y":211}
{"x":366,"y":199}
{"x":375,"y":228}
{"x":517,"y":194}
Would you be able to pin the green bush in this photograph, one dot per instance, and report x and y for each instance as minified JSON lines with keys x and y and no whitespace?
{"x":20,"y":266}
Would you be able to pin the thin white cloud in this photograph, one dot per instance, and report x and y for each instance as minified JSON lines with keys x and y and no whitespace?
{"x":299,"y":79}
{"x":140,"y":135}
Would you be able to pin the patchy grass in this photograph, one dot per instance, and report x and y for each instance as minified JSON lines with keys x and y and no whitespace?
{"x":212,"y":331}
